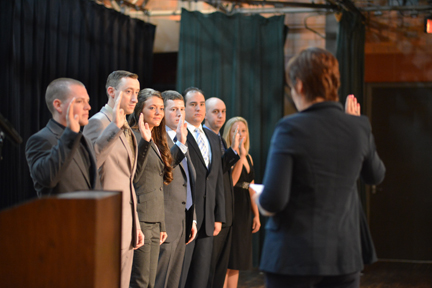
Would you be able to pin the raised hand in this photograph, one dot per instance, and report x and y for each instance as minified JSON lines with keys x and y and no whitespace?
{"x":181,"y":131}
{"x":72,"y":121}
{"x":242,"y":149}
{"x":235,"y":141}
{"x":351,"y":106}
{"x":118,"y":113}
{"x":144,"y":129}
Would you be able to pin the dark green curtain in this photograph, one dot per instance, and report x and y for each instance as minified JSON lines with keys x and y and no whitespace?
{"x":239,"y":59}
{"x":46,"y":39}
{"x":350,"y":54}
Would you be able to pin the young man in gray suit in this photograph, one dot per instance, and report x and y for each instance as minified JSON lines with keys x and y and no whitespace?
{"x":116,"y":151}
{"x":60,"y":158}
{"x":180,"y":218}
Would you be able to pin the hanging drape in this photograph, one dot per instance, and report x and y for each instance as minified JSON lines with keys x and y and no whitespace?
{"x":350,"y":54}
{"x":239,"y":59}
{"x":46,"y":39}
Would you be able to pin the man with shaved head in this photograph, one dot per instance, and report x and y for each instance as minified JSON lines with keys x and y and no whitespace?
{"x":60,"y":158}
{"x":214,"y":120}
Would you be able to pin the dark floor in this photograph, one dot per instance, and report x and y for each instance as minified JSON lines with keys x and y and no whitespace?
{"x":382,"y":274}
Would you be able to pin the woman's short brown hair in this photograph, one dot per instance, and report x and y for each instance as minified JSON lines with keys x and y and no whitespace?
{"x":318,"y":70}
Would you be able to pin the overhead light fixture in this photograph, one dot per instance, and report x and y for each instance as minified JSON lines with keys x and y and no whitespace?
{"x":428,"y":24}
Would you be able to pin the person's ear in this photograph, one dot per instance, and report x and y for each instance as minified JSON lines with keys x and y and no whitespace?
{"x":57,"y":104}
{"x":111,"y":92}
{"x":299,"y":87}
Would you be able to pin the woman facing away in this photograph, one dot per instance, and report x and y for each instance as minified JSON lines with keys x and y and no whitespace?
{"x":153,"y":170}
{"x":315,"y":158}
{"x":243,"y":224}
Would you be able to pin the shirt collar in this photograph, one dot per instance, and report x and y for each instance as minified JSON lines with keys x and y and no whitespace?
{"x":171,"y":133}
{"x":192,"y":127}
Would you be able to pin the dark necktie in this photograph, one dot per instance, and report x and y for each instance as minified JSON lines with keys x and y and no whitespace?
{"x":128,"y":134}
{"x":222,"y":144}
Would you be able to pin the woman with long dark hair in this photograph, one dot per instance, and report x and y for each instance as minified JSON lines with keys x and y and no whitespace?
{"x":153,"y":171}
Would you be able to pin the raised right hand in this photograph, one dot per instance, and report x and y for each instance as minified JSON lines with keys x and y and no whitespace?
{"x":352,"y":106}
{"x":144,"y":129}
{"x":72,"y":121}
{"x":235,"y":141}
{"x":118,"y":113}
{"x":242,"y":148}
{"x":182,"y":131}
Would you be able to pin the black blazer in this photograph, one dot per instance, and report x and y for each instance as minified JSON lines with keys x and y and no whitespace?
{"x":55,"y":167}
{"x":229,"y":158}
{"x":175,"y":193}
{"x":209,"y":191}
{"x":315,"y":159}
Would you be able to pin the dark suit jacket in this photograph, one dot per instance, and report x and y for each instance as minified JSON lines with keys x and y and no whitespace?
{"x":229,"y":158}
{"x":148,"y":183}
{"x":55,"y":166}
{"x":209,"y":192}
{"x":175,"y":193}
{"x":315,"y":159}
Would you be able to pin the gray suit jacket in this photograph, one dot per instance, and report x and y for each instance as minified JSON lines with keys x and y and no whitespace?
{"x":149,"y":183}
{"x":117,"y":168}
{"x":176,"y":219}
{"x":54,"y":163}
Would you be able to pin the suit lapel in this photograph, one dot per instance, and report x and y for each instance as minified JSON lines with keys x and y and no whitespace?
{"x":206,"y":131}
{"x":58,"y":131}
{"x":132,"y":163}
{"x":156,"y":150}
{"x":192,"y":143}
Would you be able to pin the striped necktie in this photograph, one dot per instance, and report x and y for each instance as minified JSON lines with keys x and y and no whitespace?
{"x":202,"y":146}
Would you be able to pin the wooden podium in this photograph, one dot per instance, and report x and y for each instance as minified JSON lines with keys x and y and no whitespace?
{"x":69,"y":240}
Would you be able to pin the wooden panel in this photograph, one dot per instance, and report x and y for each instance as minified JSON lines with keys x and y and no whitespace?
{"x":398,"y":67}
{"x":62,"y":242}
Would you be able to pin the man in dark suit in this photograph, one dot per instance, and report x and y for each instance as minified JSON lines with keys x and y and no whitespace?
{"x":60,"y":158}
{"x":180,"y":219}
{"x":205,"y":153}
{"x":214,"y":120}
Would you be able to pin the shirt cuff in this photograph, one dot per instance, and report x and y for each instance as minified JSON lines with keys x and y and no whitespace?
{"x":182,"y":147}
{"x":262,"y":210}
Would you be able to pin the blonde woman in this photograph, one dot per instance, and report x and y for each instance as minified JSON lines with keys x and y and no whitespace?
{"x":243,"y":223}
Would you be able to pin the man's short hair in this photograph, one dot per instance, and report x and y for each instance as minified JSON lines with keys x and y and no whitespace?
{"x":59,"y":89}
{"x":318,"y":70}
{"x":171,"y":95}
{"x":115,"y":77}
{"x":191,"y":89}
